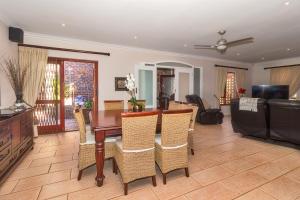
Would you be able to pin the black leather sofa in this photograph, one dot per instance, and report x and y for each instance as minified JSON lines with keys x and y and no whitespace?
{"x":205,"y":116}
{"x":285,"y":120}
{"x":276,"y":119}
{"x":250,"y":123}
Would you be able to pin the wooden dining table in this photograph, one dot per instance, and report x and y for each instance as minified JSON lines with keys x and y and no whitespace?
{"x":108,"y":123}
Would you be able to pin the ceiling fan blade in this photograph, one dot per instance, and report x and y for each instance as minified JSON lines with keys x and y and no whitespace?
{"x":240,"y":42}
{"x":204,"y":46}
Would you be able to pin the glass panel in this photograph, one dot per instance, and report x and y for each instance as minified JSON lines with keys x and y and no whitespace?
{"x":184,"y":85}
{"x":145,"y":87}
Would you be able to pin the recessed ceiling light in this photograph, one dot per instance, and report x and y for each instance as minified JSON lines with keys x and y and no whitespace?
{"x":262,"y":58}
{"x":288,"y":49}
{"x":238,"y":54}
{"x":63,"y":25}
{"x":185,"y":45}
{"x":287,"y":3}
{"x":135,"y":37}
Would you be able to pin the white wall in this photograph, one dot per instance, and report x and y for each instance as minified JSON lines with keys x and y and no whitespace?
{"x":123,"y":59}
{"x":8,"y":49}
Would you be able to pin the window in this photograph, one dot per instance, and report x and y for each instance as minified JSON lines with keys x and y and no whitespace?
{"x":230,"y":91}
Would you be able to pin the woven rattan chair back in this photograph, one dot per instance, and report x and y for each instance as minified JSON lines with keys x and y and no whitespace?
{"x":81,"y":123}
{"x":140,"y":102}
{"x":194,"y":115}
{"x":113,"y":104}
{"x":138,"y":130}
{"x":175,"y":126}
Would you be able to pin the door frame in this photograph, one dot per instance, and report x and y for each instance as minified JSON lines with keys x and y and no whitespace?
{"x":59,"y":60}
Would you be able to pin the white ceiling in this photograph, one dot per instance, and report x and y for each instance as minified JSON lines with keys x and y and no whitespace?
{"x":168,"y":24}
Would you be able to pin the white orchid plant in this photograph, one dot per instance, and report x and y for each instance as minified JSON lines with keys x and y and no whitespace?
{"x":132,"y":89}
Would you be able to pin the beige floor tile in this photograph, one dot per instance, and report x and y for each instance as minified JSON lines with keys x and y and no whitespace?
{"x":211,"y":175}
{"x":24,"y":195}
{"x":256,"y":194}
{"x":175,"y":188}
{"x":64,"y":187}
{"x":143,"y":194}
{"x":7,"y":187}
{"x":181,"y":198}
{"x":283,"y":188}
{"x":40,"y":155}
{"x":107,"y":191}
{"x":64,"y":165}
{"x":215,"y":191}
{"x":41,"y":180}
{"x":24,"y":173}
{"x":244,"y":182}
{"x":63,"y":197}
{"x":295,"y":175}
{"x":46,"y":161}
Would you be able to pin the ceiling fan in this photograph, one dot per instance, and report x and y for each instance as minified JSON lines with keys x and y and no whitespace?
{"x":222,"y":44}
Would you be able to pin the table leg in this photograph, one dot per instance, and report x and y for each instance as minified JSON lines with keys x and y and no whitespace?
{"x":99,"y":138}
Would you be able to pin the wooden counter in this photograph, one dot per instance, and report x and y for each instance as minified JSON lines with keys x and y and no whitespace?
{"x":16,"y":137}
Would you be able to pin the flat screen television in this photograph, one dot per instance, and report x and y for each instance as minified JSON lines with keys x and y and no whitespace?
{"x":270,"y":91}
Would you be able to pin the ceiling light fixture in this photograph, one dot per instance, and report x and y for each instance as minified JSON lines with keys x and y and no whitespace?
{"x":185,"y":45}
{"x":288,"y":49}
{"x":135,"y":37}
{"x":287,"y":3}
{"x":63,"y":25}
{"x":238,"y":54}
{"x":263,"y":58}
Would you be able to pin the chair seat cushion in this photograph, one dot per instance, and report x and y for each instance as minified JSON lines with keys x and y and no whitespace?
{"x":90,"y":138}
{"x":120,"y":146}
{"x":158,"y":142}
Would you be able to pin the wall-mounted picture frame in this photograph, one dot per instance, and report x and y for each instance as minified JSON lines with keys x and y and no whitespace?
{"x":120,"y":84}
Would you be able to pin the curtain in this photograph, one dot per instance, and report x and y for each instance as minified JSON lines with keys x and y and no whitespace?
{"x":286,"y":76}
{"x":36,"y":61}
{"x":240,"y":77}
{"x":220,"y":81}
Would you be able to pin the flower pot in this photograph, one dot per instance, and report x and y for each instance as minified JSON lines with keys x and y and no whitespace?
{"x":137,"y":108}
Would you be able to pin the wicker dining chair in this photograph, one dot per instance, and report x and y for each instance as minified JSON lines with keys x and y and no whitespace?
{"x":113,"y":104}
{"x":182,"y":106}
{"x":171,"y":146}
{"x":86,"y":155}
{"x":140,"y":102}
{"x":134,"y":154}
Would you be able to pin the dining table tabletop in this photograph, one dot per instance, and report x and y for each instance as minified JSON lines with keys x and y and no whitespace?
{"x":108,"y":123}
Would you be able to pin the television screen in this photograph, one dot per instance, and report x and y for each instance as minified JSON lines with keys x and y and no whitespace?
{"x":270,"y":91}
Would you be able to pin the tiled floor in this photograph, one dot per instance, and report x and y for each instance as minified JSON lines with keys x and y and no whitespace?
{"x":225,"y":166}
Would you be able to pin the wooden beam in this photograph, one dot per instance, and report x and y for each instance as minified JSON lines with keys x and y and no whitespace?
{"x":231,"y":67}
{"x":296,"y":65}
{"x":64,"y":49}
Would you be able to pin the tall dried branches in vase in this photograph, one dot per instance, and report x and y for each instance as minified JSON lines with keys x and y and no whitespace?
{"x":16,"y":76}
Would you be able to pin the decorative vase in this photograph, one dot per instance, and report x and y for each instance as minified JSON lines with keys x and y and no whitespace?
{"x":137,"y":108}
{"x":19,"y":101}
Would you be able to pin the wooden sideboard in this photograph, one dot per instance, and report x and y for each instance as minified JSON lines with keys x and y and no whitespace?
{"x":16,"y":137}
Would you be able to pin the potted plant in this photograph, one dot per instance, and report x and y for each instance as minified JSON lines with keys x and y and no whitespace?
{"x":16,"y":76}
{"x":130,"y":85}
{"x":87,"y":107}
{"x":242,"y":92}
